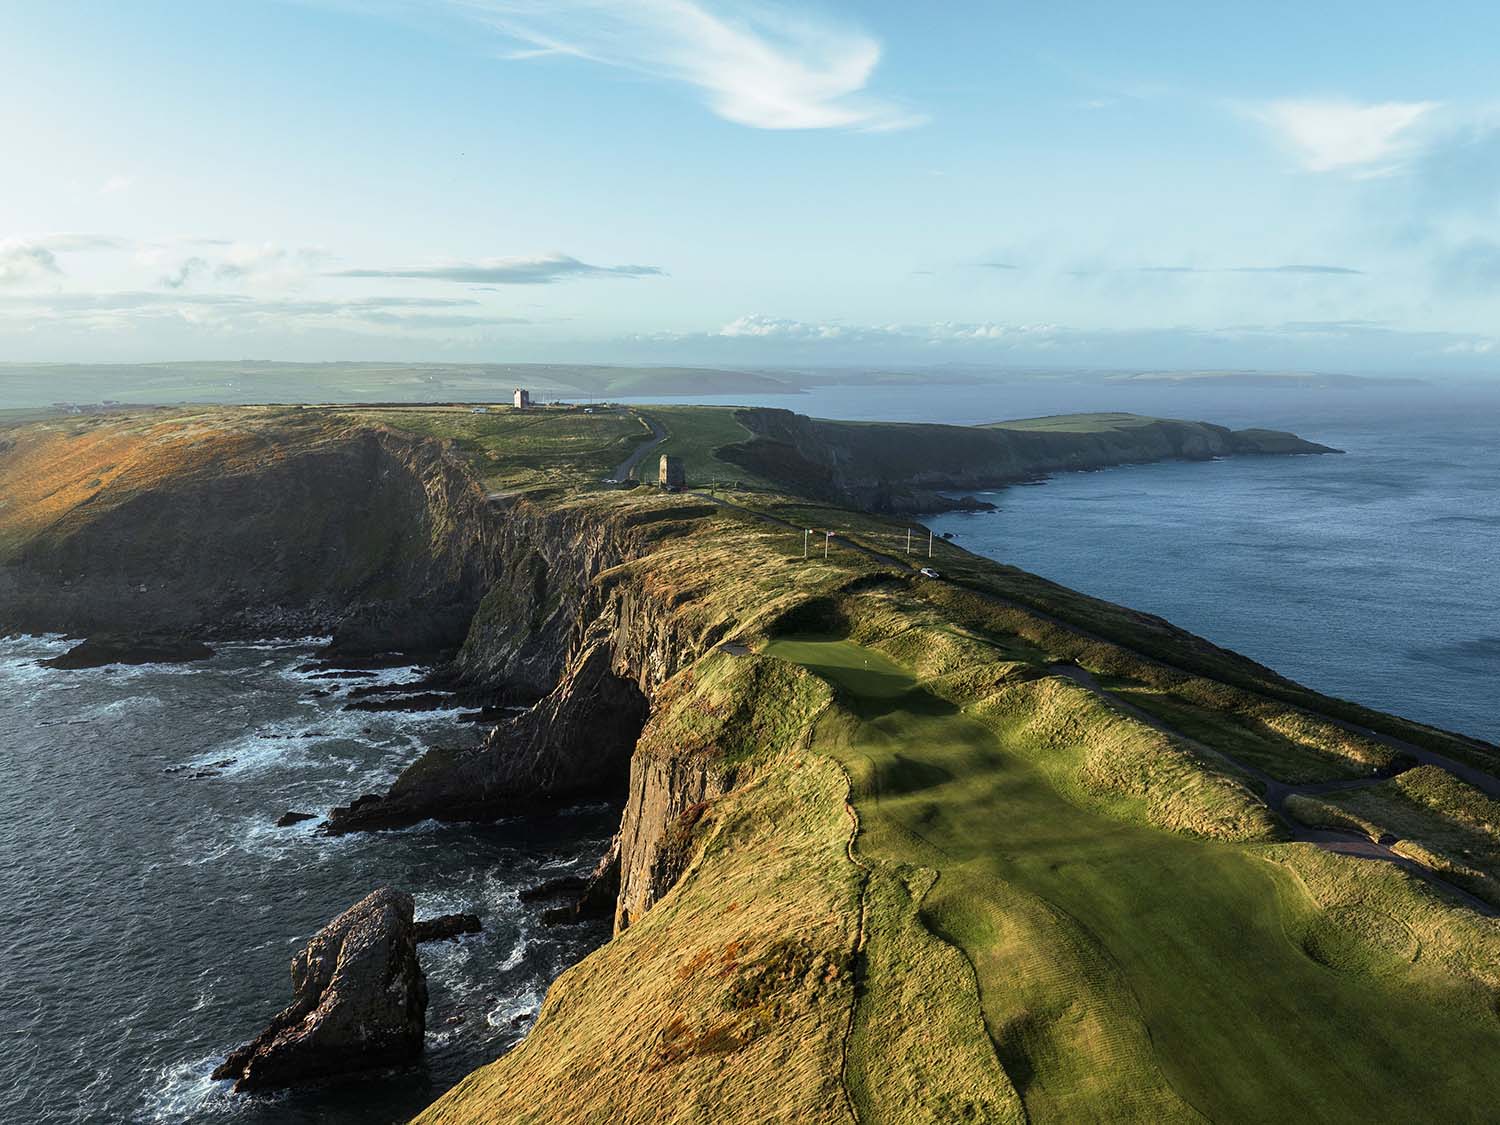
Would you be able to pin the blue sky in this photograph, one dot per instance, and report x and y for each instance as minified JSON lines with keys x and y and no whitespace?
{"x":1083,"y":184}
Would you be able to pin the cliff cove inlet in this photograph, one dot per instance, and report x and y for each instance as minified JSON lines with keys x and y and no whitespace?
{"x":151,"y":906}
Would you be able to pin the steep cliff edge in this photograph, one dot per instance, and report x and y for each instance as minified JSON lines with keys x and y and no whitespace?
{"x":241,"y":523}
{"x":890,"y":467}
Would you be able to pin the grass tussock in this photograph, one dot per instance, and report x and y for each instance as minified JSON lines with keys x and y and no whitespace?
{"x":1433,"y":817}
{"x":1114,"y":762}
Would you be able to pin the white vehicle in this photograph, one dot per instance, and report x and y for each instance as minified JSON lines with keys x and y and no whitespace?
{"x":928,"y":572}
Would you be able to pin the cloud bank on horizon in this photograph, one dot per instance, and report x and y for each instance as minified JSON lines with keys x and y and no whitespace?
{"x":752,"y":182}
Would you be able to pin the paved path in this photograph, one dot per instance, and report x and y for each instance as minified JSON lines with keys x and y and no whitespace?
{"x":658,"y":435}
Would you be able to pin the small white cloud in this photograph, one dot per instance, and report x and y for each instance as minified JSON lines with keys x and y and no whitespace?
{"x":756,"y":326}
{"x":763,"y":327}
{"x":116,"y":183}
{"x":1335,"y":134}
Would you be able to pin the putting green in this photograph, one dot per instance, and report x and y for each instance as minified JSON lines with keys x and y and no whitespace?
{"x":1128,"y":973}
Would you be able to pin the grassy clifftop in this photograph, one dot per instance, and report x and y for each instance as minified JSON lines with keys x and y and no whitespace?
{"x":972,"y":848}
{"x":965,"y":880}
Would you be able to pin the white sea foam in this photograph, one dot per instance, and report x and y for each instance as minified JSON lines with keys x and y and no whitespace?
{"x":522,"y":1005}
{"x":184,"y":1091}
{"x":306,"y":645}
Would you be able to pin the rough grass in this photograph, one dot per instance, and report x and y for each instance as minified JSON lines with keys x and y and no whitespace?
{"x":1435,"y":818}
{"x":733,"y":709}
{"x":1112,"y":640}
{"x":514,"y":449}
{"x":1128,"y":973}
{"x":730,"y":1000}
{"x":1378,"y":923}
{"x":918,"y":1050}
{"x":1120,"y":765}
{"x":76,"y":467}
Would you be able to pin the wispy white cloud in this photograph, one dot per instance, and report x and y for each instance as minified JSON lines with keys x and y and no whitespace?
{"x":1295,"y":268}
{"x":765,"y":65}
{"x":543,"y":270}
{"x":1333,"y":134}
{"x":760,"y":327}
{"x":232,"y":312}
{"x":116,"y":183}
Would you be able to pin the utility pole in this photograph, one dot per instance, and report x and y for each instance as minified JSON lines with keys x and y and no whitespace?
{"x":929,"y":542}
{"x":806,"y":534}
{"x":827,"y":537}
{"x":908,"y":540}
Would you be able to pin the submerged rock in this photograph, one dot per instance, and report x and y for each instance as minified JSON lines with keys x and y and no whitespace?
{"x":571,"y":885}
{"x":598,"y":895}
{"x":113,"y":648}
{"x":359,"y":1002}
{"x":291,"y":817}
{"x":446,"y":926}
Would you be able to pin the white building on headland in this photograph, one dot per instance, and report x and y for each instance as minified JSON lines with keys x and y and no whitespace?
{"x":523,"y":398}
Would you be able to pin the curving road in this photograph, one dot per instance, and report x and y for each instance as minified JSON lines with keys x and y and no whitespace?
{"x":658,"y":435}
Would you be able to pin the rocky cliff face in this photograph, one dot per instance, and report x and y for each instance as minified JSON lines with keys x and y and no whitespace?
{"x":567,"y":617}
{"x":905,"y":467}
{"x":378,"y":538}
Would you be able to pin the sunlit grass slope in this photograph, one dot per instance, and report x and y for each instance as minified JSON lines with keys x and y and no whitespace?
{"x":1128,"y":973}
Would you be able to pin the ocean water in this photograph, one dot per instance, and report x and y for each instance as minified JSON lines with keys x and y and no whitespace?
{"x":1371,"y":576}
{"x":147,"y":915}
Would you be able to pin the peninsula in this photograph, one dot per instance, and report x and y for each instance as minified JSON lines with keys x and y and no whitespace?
{"x":902,"y":838}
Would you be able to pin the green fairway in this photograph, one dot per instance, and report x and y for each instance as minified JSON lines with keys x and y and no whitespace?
{"x":1129,"y":973}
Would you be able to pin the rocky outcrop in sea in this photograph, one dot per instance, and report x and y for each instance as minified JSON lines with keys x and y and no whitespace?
{"x":359,"y":1002}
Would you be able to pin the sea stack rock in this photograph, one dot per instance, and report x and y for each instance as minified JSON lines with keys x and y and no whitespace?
{"x":359,"y":1002}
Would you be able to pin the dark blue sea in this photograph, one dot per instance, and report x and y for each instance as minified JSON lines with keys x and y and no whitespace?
{"x":149,"y":905}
